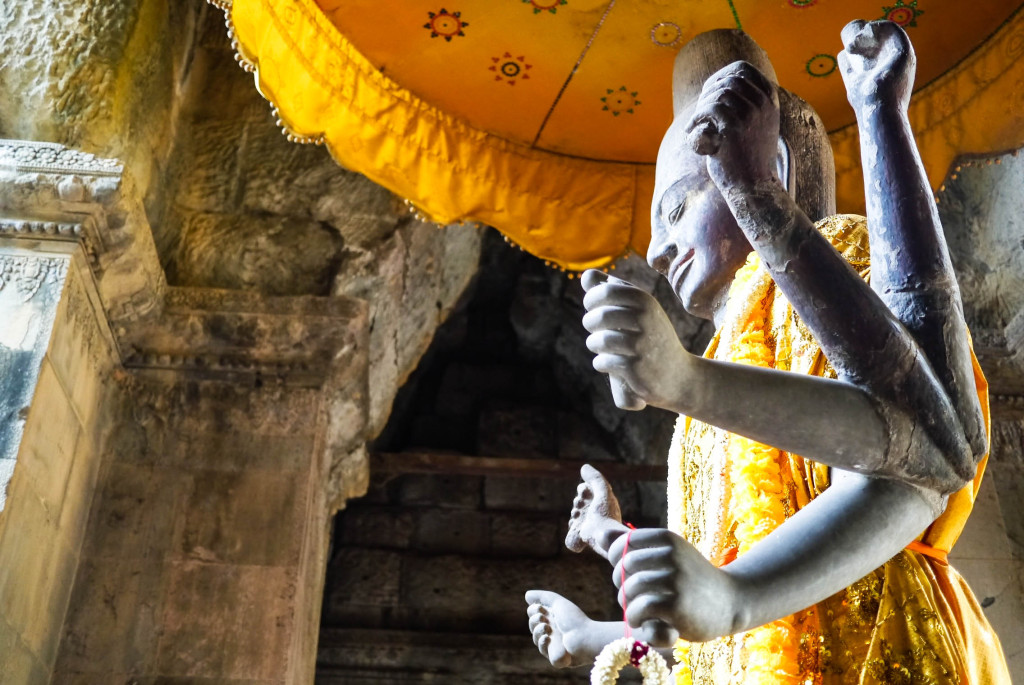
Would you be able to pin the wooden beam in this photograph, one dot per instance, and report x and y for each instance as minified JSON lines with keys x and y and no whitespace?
{"x":392,"y":464}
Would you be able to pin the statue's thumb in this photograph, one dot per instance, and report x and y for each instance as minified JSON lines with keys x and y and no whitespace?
{"x":591,"y":278}
{"x":705,"y":138}
{"x":623,"y":395}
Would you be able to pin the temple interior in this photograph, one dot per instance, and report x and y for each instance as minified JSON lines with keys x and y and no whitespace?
{"x":284,"y":400}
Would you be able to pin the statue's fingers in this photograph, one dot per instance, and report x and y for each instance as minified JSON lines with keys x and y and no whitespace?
{"x":851,"y":30}
{"x":536,"y":619}
{"x":615,"y":318}
{"x":641,"y":538}
{"x":736,"y":91}
{"x":591,"y":278}
{"x":543,"y":642}
{"x":615,"y":365}
{"x":613,"y":295}
{"x":650,"y":607}
{"x":640,"y":561}
{"x":745,"y":71}
{"x":656,"y":581}
{"x":613,"y":342}
{"x":658,"y":633}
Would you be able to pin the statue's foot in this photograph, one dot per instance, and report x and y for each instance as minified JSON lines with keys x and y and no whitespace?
{"x":556,"y":623}
{"x":596,"y":519}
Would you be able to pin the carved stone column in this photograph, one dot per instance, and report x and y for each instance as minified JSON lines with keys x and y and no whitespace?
{"x":183,"y":451}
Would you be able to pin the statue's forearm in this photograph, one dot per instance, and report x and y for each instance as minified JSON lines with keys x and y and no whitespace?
{"x":866,"y":343}
{"x":829,"y":421}
{"x":911,"y":269}
{"x":854,"y":527}
{"x":908,"y":248}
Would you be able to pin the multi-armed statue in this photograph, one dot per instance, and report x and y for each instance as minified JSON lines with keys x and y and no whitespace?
{"x":830,"y":422}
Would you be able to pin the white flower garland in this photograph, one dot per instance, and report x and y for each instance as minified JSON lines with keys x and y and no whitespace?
{"x":614,"y":657}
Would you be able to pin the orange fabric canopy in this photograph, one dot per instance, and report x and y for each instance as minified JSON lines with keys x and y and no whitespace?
{"x":543,"y":117}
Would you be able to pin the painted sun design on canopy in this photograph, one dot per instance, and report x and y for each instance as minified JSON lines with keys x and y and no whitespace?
{"x":510,"y":69}
{"x":902,"y":13}
{"x":445,"y":24}
{"x":619,"y":101}
{"x":545,"y":5}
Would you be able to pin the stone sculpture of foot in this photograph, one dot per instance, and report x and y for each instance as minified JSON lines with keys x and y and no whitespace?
{"x":596,"y":519}
{"x":557,"y":626}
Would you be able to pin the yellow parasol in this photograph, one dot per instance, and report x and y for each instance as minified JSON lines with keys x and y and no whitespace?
{"x":543,"y":117}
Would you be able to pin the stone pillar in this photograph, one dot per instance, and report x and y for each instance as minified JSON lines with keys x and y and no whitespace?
{"x":185,"y":448}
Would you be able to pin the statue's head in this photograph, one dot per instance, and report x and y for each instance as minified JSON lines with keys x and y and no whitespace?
{"x":695,"y":241}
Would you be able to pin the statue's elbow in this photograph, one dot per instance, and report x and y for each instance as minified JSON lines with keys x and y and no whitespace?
{"x":962,"y":465}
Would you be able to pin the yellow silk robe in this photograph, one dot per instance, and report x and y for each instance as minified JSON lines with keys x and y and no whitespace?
{"x":913,"y":620}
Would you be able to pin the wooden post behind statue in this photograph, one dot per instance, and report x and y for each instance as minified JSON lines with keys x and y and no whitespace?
{"x":835,"y":427}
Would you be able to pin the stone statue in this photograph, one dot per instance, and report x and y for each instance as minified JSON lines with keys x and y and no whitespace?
{"x":894,"y":411}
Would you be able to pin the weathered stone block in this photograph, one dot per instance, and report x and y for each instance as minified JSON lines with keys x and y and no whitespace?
{"x":227,"y":622}
{"x":465,"y":594}
{"x":364,"y":526}
{"x":448,"y":531}
{"x":136,"y":511}
{"x":271,"y":255}
{"x":455,"y":433}
{"x":1008,"y":442}
{"x":984,"y":536}
{"x":528,"y":494}
{"x":80,"y":493}
{"x":518,"y":535}
{"x":518,"y":432}
{"x":1009,"y":484}
{"x":48,"y":445}
{"x":365,"y":583}
{"x":238,"y":451}
{"x":17,"y":663}
{"x":421,"y":292}
{"x":245,"y":517}
{"x":207,"y":165}
{"x":112,"y":624}
{"x":443,"y":491}
{"x":273,"y":410}
{"x":37,"y":568}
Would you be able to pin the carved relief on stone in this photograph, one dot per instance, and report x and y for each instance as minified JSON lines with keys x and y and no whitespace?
{"x":52,"y":158}
{"x":30,"y":288}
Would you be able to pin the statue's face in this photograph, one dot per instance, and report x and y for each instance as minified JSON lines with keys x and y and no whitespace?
{"x":695,"y":241}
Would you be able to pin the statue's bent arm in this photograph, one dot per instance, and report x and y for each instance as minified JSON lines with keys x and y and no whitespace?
{"x":852,"y":528}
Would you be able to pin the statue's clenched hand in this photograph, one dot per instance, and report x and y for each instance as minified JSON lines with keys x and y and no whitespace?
{"x":635,"y":342}
{"x":877,"y":65}
{"x":736,"y":108}
{"x":667,"y":579}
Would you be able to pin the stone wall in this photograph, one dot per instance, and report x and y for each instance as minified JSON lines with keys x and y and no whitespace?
{"x":42,"y":527}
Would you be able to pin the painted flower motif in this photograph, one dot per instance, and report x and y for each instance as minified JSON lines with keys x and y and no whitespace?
{"x":800,"y":4}
{"x":821,"y":65}
{"x":445,"y":24}
{"x":545,"y":5}
{"x":510,"y":69}
{"x":619,"y":101}
{"x":904,"y":14}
